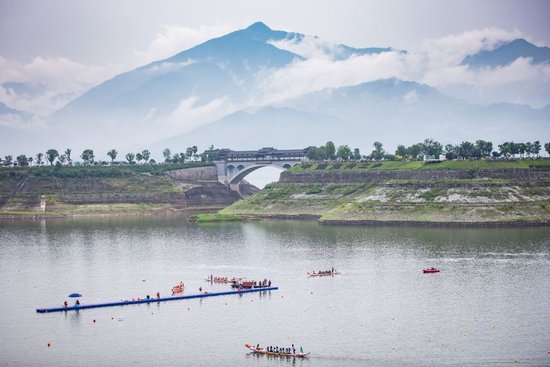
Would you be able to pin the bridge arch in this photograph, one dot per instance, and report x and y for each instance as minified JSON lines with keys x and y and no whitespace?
{"x":232,"y":166}
{"x":235,"y":180}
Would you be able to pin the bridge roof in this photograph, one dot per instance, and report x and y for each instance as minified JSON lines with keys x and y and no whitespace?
{"x":228,"y":153}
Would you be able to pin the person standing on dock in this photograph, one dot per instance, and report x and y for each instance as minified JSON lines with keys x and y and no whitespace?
{"x":158,"y":295}
{"x":66,"y":304}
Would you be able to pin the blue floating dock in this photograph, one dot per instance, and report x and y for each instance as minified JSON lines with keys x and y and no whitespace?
{"x":152,"y":300}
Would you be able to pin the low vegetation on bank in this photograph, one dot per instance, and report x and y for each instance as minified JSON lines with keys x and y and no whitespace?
{"x":215,"y":217}
{"x":100,"y":190}
{"x":510,"y":197}
{"x":542,"y":163}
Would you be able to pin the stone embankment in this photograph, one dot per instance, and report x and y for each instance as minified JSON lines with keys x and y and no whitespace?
{"x":184,"y":189}
{"x":491,"y":197}
{"x":352,"y":177}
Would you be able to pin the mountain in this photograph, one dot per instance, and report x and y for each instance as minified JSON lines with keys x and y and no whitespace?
{"x":209,"y":94}
{"x":391,"y":110}
{"x":281,"y":127}
{"x":221,"y":66}
{"x":168,"y":96}
{"x":507,"y":54}
{"x":398,"y":112}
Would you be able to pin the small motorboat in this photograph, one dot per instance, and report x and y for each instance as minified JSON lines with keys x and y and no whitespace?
{"x":431,"y":270}
{"x":263,"y":351}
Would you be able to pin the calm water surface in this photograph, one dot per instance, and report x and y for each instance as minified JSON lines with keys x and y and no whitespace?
{"x":489,"y":306}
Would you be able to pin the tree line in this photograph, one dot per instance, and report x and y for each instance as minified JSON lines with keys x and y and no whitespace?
{"x":88,"y":158}
{"x":430,"y":148}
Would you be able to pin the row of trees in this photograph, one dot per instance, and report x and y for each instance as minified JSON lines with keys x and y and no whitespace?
{"x":431,"y":148}
{"x":330,"y":152}
{"x":52,"y":156}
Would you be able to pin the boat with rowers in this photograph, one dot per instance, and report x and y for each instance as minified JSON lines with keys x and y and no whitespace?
{"x":275,"y":353}
{"x":326,"y":273}
{"x":178,"y":288}
{"x":431,"y":270}
{"x":252,"y":284}
{"x":223,"y":280}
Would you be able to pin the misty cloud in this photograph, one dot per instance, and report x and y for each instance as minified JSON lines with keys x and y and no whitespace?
{"x":319,"y":73}
{"x":437,"y":63}
{"x":60,"y":79}
{"x":190,"y":114}
{"x":309,"y":47}
{"x":173,"y":39}
{"x":451,"y":50}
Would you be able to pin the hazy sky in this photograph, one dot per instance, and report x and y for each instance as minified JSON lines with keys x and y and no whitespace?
{"x":64,"y":47}
{"x":118,"y":32}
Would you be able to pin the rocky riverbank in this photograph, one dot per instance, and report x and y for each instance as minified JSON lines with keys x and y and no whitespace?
{"x":490,"y":197}
{"x":31,"y":195}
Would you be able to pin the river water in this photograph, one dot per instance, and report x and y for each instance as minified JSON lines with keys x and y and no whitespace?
{"x":489,"y":306}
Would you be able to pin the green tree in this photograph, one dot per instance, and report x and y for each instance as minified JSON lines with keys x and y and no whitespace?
{"x":330,"y":151}
{"x":485,"y":147}
{"x":505,"y":149}
{"x":22,"y":160}
{"x":167,"y":155}
{"x":210,"y":154}
{"x":378,"y":152}
{"x":146,"y":155}
{"x":535,"y":148}
{"x":466,"y":150}
{"x":432,"y":147}
{"x":62,"y":159}
{"x":522,"y":148}
{"x":130,"y":157}
{"x":356,"y":154}
{"x":68,"y":155}
{"x":344,"y":152}
{"x":189,"y":152}
{"x":451,"y":152}
{"x":514,"y":148}
{"x":39,"y":158}
{"x":547,"y":147}
{"x":8,"y":160}
{"x":402,"y":151}
{"x":313,"y":153}
{"x":181,"y":158}
{"x":52,"y":154}
{"x":415,"y":150}
{"x":139,"y":157}
{"x":87,"y":156}
{"x":112,"y":153}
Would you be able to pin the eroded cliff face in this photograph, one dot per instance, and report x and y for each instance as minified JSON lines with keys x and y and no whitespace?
{"x":454,"y":197}
{"x":177,"y":190}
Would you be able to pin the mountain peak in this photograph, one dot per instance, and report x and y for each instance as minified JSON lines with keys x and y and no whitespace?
{"x":507,"y":53}
{"x":258,"y":26}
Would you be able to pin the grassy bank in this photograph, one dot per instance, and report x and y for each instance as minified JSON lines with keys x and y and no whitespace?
{"x":215,"y":217}
{"x":421,"y":165}
{"x":477,"y":200}
{"x":97,"y":190}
